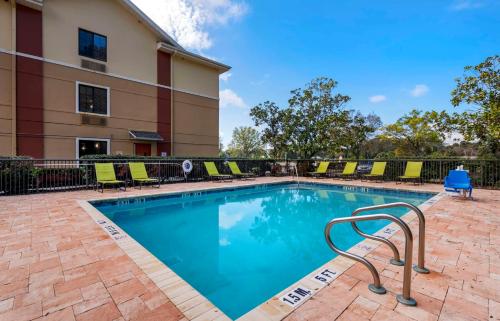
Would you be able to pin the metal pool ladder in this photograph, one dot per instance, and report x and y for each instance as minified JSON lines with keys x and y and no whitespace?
{"x":376,"y":287}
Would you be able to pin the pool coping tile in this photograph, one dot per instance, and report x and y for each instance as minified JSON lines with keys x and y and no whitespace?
{"x":338,"y":264}
{"x":179,"y":291}
{"x":171,"y":284}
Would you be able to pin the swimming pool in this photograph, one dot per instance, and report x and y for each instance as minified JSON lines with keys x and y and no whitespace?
{"x":240,"y":246}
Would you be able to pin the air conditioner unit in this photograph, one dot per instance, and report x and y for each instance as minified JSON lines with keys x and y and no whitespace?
{"x":87,"y":64}
{"x":93,"y":120}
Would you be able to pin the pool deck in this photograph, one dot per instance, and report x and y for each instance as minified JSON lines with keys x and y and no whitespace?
{"x":57,"y":263}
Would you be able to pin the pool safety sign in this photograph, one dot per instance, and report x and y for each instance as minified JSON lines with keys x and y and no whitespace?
{"x":388,"y":231}
{"x":364,"y":247}
{"x":296,"y":296}
{"x":325,"y":276}
{"x":112,"y":230}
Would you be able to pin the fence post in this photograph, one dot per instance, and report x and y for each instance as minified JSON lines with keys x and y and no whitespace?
{"x":440,"y":170}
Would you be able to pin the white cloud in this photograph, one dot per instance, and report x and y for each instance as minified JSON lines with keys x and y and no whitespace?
{"x":225,"y":76}
{"x":377,"y":99}
{"x":224,"y":242}
{"x":229,"y":98}
{"x":459,"y":5}
{"x":453,"y":138}
{"x":187,"y":20}
{"x":227,"y":221}
{"x":419,"y":90}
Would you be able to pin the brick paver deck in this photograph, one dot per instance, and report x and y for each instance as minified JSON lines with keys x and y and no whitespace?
{"x":56,"y":263}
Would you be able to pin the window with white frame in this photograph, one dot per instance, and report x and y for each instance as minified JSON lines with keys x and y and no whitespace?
{"x":92,"y":146}
{"x":92,"y":99}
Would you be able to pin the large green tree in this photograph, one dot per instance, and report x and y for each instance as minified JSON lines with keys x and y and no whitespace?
{"x":276,"y":127}
{"x":378,"y":148}
{"x":310,"y":125}
{"x":479,"y":88}
{"x":319,"y":117}
{"x":416,"y":133}
{"x":360,"y":129}
{"x":246,"y":142}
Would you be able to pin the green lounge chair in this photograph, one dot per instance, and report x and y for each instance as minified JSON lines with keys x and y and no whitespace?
{"x":323,"y":194}
{"x":378,"y":170}
{"x":235,"y":170}
{"x":349,"y":170}
{"x":214,"y":173}
{"x":350,"y":197}
{"x":378,"y":200}
{"x":321,"y":170}
{"x":412,"y":172}
{"x":105,"y":174}
{"x":139,"y":175}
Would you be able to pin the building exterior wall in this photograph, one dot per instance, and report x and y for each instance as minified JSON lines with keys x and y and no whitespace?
{"x":196,"y":117}
{"x":6,"y":147}
{"x":196,"y":125}
{"x":132,"y":107}
{"x":131,"y":46}
{"x":29,"y":83}
{"x":5,"y":25}
{"x":195,"y":78}
{"x":149,"y":89}
{"x":164,"y":103}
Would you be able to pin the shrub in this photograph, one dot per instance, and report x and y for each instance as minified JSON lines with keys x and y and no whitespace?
{"x":17,"y":175}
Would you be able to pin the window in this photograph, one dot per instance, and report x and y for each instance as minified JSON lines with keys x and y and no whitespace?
{"x":91,"y":146}
{"x":92,"y":45}
{"x":92,"y":99}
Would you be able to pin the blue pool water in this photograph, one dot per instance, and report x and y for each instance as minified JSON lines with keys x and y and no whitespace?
{"x":239,"y":247}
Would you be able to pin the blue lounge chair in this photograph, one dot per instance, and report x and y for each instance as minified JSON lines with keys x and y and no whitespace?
{"x":456,"y":181}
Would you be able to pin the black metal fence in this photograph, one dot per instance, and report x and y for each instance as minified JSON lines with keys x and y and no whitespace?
{"x":484,"y":173}
{"x":24,"y":176}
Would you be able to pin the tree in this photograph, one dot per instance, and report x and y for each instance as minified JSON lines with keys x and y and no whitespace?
{"x":246,"y":142}
{"x":276,"y":126}
{"x":360,"y":128}
{"x":318,"y":117}
{"x":416,"y":133}
{"x":221,"y":148}
{"x":480,"y":87}
{"x":463,"y":149}
{"x":310,"y":125}
{"x":378,"y":148}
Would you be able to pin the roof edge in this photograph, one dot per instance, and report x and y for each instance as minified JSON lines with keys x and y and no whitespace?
{"x":222,"y":68}
{"x":33,"y":4}
{"x":148,"y":22}
{"x":167,"y":43}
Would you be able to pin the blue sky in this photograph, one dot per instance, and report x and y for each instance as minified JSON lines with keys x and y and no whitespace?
{"x":389,"y":56}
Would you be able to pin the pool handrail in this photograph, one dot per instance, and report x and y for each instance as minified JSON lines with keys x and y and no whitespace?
{"x":420,"y":266}
{"x":404,"y":298}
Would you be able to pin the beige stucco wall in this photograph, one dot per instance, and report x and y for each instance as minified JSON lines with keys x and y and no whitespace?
{"x":131,"y":46}
{"x":132,"y":54}
{"x":133,"y":106}
{"x":5,"y":25}
{"x":195,"y":78}
{"x":196,"y":125}
{"x":5,"y":105}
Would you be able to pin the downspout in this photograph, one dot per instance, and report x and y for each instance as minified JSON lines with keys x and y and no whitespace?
{"x":13,"y":81}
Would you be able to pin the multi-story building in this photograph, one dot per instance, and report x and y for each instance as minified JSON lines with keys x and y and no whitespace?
{"x":98,"y":76}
